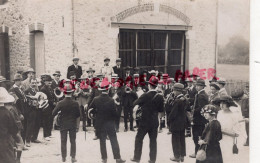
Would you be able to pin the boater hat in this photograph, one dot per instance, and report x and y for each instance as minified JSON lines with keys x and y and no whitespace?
{"x":215,"y":85}
{"x":5,"y":97}
{"x":18,"y":77}
{"x":56,"y":73}
{"x":153,"y":81}
{"x":29,"y":70}
{"x":104,"y":85}
{"x":118,"y":60}
{"x":90,"y":70}
{"x":2,"y":79}
{"x":75,"y":58}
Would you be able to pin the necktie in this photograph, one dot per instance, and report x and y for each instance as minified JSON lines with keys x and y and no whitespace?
{"x":195,"y":101}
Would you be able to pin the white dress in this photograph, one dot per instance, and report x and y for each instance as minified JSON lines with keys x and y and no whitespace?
{"x":229,"y":122}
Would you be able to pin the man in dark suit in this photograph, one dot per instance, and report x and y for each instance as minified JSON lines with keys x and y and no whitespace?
{"x":52,"y":100}
{"x":94,"y":93}
{"x":56,"y":80}
{"x":69,"y":112}
{"x":106,"y":115}
{"x":75,"y":67}
{"x":32,"y":111}
{"x":128,"y":98}
{"x":177,"y":122}
{"x":128,"y":75}
{"x":21,"y":103}
{"x":199,"y":122}
{"x":151,"y":103}
{"x":118,"y":69}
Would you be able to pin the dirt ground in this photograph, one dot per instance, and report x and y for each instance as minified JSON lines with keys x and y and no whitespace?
{"x":88,"y":150}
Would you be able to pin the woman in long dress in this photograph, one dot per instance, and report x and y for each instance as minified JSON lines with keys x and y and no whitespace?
{"x":229,"y":123}
{"x":211,"y":136}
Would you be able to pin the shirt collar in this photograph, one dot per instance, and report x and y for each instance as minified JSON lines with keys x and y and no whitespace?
{"x":179,"y":95}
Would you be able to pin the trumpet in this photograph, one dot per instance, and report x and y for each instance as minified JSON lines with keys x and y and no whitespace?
{"x":58,"y":93}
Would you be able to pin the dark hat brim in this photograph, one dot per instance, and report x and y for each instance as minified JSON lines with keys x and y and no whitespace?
{"x":215,"y":86}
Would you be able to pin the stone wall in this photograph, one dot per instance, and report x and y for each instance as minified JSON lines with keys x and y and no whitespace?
{"x":93,"y":35}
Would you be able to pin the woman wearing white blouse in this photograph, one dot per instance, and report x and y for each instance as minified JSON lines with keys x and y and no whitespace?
{"x":229,"y":126}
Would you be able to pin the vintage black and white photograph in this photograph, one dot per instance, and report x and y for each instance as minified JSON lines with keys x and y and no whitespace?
{"x":103,"y":81}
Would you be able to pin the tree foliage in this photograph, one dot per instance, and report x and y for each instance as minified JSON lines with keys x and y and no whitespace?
{"x":236,"y":51}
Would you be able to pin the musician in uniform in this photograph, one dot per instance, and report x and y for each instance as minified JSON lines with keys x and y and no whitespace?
{"x":128,"y":98}
{"x":107,"y":70}
{"x":106,"y":114}
{"x":201,"y":99}
{"x":75,"y":67}
{"x":94,"y":93}
{"x":30,"y":74}
{"x":118,"y":69}
{"x":177,"y":121}
{"x":151,"y":103}
{"x":56,"y":80}
{"x":83,"y":92}
{"x":69,"y":112}
{"x":32,"y":111}
{"x":116,"y":93}
{"x":47,"y":113}
{"x":143,"y":80}
{"x":128,"y":75}
{"x":91,"y":74}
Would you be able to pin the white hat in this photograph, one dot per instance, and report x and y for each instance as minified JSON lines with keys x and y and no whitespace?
{"x":5,"y":97}
{"x":75,"y":58}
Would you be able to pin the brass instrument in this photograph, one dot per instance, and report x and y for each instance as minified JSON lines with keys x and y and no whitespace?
{"x":58,"y":93}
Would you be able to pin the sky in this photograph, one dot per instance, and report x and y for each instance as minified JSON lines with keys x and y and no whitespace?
{"x":234,"y":19}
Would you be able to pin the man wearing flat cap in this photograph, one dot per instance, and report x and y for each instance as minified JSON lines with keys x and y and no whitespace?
{"x":118,"y":68}
{"x":21,"y":103}
{"x":199,"y":122}
{"x":151,"y":104}
{"x":177,"y":122}
{"x":107,"y":70}
{"x":75,"y":67}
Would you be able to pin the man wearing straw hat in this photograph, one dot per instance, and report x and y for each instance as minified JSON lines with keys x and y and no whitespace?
{"x":56,"y":80}
{"x":105,"y":108}
{"x":75,"y":67}
{"x":30,"y":74}
{"x":107,"y":70}
{"x":151,"y":103}
{"x":8,"y":129}
{"x":69,"y":112}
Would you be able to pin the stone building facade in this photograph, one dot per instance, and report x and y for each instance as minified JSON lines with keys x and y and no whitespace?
{"x":48,"y":33}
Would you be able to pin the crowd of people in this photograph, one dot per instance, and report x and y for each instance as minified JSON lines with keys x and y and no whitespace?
{"x":149,"y":100}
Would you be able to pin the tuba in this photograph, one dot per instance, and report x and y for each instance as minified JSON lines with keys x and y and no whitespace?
{"x":58,"y":93}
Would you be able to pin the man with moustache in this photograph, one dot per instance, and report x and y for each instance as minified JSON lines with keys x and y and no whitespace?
{"x":75,"y":67}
